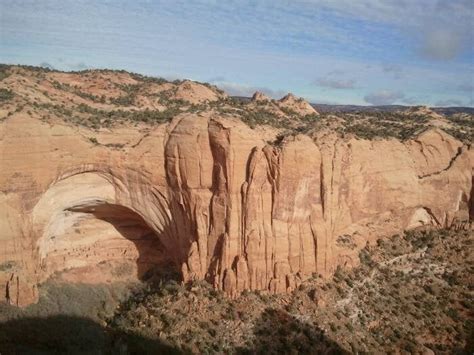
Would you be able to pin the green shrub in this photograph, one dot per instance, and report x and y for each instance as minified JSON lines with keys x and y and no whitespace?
{"x":4,"y":71}
{"x":6,"y":95}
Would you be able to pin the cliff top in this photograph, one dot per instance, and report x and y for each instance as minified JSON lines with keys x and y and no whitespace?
{"x":109,"y":98}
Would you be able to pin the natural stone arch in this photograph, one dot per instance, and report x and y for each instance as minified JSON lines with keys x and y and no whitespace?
{"x":90,"y":229}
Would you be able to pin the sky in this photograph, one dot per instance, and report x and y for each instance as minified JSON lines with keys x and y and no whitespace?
{"x":365,"y":52}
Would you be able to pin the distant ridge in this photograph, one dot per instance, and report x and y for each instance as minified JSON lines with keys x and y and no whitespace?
{"x":327,"y":108}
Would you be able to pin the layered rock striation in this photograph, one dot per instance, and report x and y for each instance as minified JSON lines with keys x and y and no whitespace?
{"x":205,"y":195}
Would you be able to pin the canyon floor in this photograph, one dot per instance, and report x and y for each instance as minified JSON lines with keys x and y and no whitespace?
{"x":412,"y":293}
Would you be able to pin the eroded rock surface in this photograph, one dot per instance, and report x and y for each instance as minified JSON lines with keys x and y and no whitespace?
{"x":298,"y":105}
{"x":209,"y":197}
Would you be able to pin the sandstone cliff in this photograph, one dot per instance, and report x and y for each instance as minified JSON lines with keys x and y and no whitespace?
{"x":210,"y":197}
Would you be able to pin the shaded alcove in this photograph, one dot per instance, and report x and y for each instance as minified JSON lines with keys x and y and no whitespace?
{"x":103,"y":243}
{"x":87,"y":234}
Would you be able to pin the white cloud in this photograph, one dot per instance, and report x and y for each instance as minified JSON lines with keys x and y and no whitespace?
{"x":235,"y":89}
{"x":334,"y":83}
{"x":443,"y":28}
{"x":384,"y":97}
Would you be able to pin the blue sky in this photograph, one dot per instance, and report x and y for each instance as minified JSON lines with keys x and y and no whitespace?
{"x":328,"y":51}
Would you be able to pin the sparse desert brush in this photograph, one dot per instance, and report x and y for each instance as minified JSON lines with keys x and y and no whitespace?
{"x":385,"y":309}
{"x":6,"y":94}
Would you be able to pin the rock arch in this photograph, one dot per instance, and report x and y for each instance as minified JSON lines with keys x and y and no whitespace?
{"x":94,"y":226}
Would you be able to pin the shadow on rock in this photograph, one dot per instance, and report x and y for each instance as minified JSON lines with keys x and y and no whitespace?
{"x":278,"y":332}
{"x":72,"y":335}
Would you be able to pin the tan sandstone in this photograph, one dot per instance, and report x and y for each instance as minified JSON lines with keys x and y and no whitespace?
{"x":204,"y":195}
{"x":298,"y":105}
{"x":209,"y":197}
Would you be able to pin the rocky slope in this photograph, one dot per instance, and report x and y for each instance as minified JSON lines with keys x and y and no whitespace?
{"x":109,"y":175}
{"x":411,"y":293}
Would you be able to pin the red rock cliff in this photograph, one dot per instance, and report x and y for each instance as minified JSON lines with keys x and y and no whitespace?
{"x":210,"y":197}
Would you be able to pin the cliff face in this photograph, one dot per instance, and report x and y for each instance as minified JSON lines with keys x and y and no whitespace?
{"x":207,"y":196}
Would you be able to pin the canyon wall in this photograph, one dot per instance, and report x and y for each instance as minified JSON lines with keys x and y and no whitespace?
{"x":209,"y":197}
